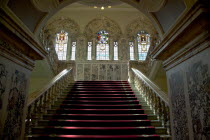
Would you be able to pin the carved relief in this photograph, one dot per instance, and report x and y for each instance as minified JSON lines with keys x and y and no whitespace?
{"x":16,"y":102}
{"x":180,"y":123}
{"x":198,"y":80}
{"x":3,"y":81}
{"x":104,"y":23}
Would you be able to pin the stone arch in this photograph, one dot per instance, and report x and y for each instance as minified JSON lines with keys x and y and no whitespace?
{"x":61,"y":23}
{"x":141,"y":23}
{"x":103,"y":23}
{"x":135,"y":4}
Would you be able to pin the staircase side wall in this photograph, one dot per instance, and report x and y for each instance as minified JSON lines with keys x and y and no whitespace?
{"x":189,"y":89}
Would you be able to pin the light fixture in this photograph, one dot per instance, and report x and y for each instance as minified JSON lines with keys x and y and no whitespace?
{"x":101,"y":4}
{"x":102,"y":7}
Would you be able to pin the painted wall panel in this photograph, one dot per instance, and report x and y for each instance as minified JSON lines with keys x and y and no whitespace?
{"x":13,"y":94}
{"x":189,"y":92}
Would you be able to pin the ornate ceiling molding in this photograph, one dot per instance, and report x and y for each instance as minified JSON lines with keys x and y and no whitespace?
{"x":45,"y":5}
{"x":103,"y":23}
{"x":139,"y":24}
{"x":100,"y":2}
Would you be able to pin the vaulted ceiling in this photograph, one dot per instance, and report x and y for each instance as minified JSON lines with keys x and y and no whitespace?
{"x":163,"y":14}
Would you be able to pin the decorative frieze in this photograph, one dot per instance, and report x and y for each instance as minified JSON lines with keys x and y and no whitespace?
{"x":101,"y":71}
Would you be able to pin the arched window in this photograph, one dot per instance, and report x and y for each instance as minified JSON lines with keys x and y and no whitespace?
{"x":115,"y":50}
{"x":102,"y":48}
{"x":143,"y":39}
{"x":131,"y":47}
{"x":61,"y":45}
{"x":73,"y":50}
{"x":89,"y":50}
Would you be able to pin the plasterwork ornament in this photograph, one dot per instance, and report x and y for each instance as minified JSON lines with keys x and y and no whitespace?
{"x":139,"y":24}
{"x":103,"y":23}
{"x":61,"y":23}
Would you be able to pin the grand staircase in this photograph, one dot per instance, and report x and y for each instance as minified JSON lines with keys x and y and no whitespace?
{"x":98,"y":110}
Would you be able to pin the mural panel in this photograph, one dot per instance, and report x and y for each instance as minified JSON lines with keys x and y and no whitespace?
{"x":87,"y":72}
{"x":117,"y":72}
{"x":94,"y":72}
{"x":3,"y":81}
{"x":102,"y":72}
{"x":124,"y":72}
{"x":180,"y":122}
{"x":15,"y":107}
{"x":110,"y":72}
{"x":198,"y":80}
{"x":80,"y":74}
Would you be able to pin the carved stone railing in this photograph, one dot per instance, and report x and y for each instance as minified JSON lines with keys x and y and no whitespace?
{"x":42,"y":100}
{"x":153,"y":95}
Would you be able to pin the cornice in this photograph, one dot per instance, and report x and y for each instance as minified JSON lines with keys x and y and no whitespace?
{"x":15,"y":55}
{"x":10,"y":26}
{"x":194,"y":22}
{"x":200,"y":43}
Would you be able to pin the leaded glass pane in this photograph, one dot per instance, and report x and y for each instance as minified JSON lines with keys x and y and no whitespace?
{"x":102,"y":48}
{"x":143,"y":39}
{"x":61,"y":45}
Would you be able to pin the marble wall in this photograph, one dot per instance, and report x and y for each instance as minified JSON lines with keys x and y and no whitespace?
{"x":13,"y":94}
{"x":189,"y":89}
{"x":101,"y":71}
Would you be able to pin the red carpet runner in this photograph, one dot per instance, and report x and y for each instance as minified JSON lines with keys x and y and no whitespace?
{"x":97,"y":110}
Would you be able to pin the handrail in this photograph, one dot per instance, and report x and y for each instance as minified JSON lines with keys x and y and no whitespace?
{"x":42,"y":100}
{"x":153,"y":95}
{"x":37,"y":94}
{"x":154,"y":87}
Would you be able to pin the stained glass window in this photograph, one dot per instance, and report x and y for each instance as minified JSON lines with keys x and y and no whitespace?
{"x":131,"y":46}
{"x":61,"y":45}
{"x":73,"y":50}
{"x":143,"y":39}
{"x":115,"y":50}
{"x":89,"y":51}
{"x":102,"y":48}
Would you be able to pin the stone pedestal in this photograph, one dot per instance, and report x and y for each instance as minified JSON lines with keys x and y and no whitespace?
{"x":186,"y":55}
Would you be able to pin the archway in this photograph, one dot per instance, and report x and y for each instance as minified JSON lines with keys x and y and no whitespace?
{"x":142,"y":6}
